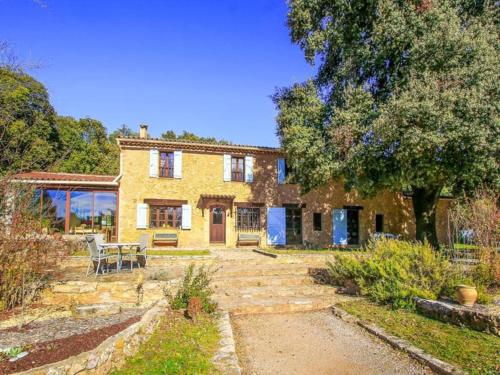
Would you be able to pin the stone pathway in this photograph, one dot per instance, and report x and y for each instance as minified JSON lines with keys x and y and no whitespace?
{"x":59,"y":328}
{"x":314,"y":343}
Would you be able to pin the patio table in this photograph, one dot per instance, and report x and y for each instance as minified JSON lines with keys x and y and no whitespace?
{"x":119,"y":246}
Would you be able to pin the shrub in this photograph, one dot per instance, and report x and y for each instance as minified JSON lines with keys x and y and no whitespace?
{"x":196,"y":283}
{"x":394,"y":272}
{"x":28,"y":257}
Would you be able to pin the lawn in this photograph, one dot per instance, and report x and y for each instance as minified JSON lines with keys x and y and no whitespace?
{"x":473,"y":351}
{"x":178,"y":346}
{"x":156,"y":252}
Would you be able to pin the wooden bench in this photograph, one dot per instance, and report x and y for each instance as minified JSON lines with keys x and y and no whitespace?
{"x":165,"y":239}
{"x":248,"y":239}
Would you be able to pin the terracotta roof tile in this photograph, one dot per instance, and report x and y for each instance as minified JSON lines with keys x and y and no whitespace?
{"x":195,"y":145}
{"x":53,"y":176}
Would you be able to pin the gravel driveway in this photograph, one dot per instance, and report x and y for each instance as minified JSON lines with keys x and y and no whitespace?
{"x":314,"y":343}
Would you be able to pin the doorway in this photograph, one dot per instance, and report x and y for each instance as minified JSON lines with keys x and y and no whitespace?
{"x":353,"y":226}
{"x":293,"y":226}
{"x":217,"y":224}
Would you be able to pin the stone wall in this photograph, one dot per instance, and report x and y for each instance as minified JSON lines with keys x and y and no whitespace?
{"x":202,"y":173}
{"x":479,"y":318}
{"x":111,"y":353}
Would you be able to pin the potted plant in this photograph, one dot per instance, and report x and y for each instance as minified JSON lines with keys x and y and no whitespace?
{"x":466,"y":295}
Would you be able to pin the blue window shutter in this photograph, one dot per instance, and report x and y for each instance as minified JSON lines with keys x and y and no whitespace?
{"x":281,"y":171}
{"x":177,"y":164}
{"x":249,"y":168}
{"x":339,"y":227}
{"x":276,"y":226}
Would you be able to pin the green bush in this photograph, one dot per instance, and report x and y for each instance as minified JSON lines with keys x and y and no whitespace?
{"x":196,"y":283}
{"x":394,"y":272}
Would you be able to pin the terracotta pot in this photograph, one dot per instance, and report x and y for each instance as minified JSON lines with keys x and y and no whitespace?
{"x":466,"y":295}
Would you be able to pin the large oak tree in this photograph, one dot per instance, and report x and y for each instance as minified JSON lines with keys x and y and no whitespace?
{"x":406,"y":97}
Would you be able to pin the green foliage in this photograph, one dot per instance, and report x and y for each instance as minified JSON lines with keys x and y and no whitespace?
{"x":13,"y":352}
{"x":28,"y":130}
{"x":86,"y":147}
{"x":406,"y":97}
{"x":196,"y":283}
{"x":474,"y":352}
{"x":394,"y":272}
{"x":170,"y":135}
{"x":176,"y":347}
{"x":122,"y":132}
{"x":33,"y":137}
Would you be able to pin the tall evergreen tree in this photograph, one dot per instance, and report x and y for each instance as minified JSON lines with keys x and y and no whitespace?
{"x":406,"y":98}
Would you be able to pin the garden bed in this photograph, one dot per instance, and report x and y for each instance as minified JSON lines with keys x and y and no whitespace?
{"x":60,"y":349}
{"x":179,"y":346}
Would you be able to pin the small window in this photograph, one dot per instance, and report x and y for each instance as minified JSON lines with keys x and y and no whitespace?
{"x":165,"y":217}
{"x":379,"y":223}
{"x":317,"y":221}
{"x":248,"y":218}
{"x":217,"y":215}
{"x":167,"y":164}
{"x":237,"y":169}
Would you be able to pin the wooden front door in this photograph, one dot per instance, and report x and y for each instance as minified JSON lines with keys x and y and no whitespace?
{"x":217,"y":224}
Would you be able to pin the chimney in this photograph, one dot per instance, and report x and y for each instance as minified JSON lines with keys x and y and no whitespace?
{"x":143,"y":131}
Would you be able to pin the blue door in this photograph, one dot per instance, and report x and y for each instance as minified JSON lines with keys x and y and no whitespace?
{"x":339,"y":228}
{"x":276,"y":226}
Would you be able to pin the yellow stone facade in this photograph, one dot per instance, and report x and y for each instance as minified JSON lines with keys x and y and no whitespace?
{"x":202,"y":173}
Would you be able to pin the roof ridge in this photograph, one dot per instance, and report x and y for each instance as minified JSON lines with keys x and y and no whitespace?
{"x":70,"y":173}
{"x":201,"y":143}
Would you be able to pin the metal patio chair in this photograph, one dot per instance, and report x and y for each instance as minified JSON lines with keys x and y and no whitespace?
{"x":141,"y":255}
{"x":97,"y":253}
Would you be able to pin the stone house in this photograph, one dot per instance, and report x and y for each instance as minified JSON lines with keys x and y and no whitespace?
{"x":212,"y":194}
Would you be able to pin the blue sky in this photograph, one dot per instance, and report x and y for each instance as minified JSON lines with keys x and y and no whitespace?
{"x":204,"y":66}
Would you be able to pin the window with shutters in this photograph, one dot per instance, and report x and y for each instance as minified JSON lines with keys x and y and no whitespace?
{"x":237,"y":169}
{"x":165,"y":217}
{"x":248,"y":218}
{"x":166,"y":164}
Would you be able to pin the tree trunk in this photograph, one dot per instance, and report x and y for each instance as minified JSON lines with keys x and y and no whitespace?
{"x":424,"y":206}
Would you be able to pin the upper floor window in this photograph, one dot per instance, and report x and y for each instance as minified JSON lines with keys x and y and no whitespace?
{"x":165,"y":217}
{"x":248,"y":218}
{"x":237,"y":169}
{"x":167,"y":164}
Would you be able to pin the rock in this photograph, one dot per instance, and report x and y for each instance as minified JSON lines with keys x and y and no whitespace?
{"x":93,"y":361}
{"x":478,"y":318}
{"x":96,"y":310}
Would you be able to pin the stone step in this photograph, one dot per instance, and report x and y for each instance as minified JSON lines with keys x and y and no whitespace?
{"x":96,"y":309}
{"x":248,"y":281}
{"x":262,"y":270}
{"x":278,"y":305}
{"x":228,"y":294}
